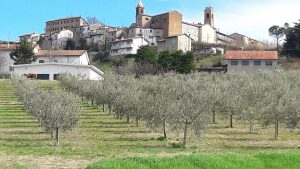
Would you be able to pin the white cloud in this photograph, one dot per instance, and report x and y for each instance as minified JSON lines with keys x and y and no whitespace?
{"x":253,"y":18}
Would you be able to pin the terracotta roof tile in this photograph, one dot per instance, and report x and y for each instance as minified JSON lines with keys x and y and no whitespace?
{"x":71,"y":53}
{"x":12,"y":46}
{"x":252,"y":55}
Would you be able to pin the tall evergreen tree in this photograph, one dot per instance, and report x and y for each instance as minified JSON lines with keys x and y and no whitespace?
{"x":291,"y":47}
{"x":23,"y":54}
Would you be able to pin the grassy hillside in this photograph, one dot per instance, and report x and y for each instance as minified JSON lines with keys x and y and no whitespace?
{"x":209,"y":61}
{"x":287,"y":160}
{"x":23,"y":144}
{"x":290,"y":64}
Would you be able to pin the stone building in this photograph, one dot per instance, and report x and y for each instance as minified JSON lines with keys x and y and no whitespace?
{"x":69,"y":23}
{"x":175,"y":43}
{"x":57,"y":40}
{"x":209,"y":16}
{"x":246,"y":42}
{"x":150,"y":34}
{"x":32,"y":37}
{"x":169,"y":22}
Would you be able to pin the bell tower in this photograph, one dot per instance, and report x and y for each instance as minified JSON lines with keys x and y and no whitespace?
{"x":139,"y":13}
{"x":140,"y":8}
{"x":209,"y":16}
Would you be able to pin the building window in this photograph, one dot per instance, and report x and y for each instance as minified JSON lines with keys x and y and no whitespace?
{"x":43,"y":76}
{"x":245,"y":63}
{"x":11,"y":69}
{"x":150,"y":31}
{"x":234,"y":63}
{"x":41,"y":61}
{"x":207,"y":15}
{"x":257,"y":63}
{"x":268,"y":63}
{"x":164,"y":19}
{"x":56,"y":76}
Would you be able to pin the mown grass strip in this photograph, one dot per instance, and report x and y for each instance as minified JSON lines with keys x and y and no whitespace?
{"x":286,"y":160}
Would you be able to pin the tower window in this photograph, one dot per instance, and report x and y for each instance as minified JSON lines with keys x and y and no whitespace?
{"x":207,"y":16}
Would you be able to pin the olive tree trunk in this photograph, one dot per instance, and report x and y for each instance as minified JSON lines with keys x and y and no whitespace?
{"x":231,"y":120}
{"x":276,"y":130}
{"x":185,"y":134}
{"x":214,"y":117}
{"x":57,"y":137}
{"x":164,"y":128}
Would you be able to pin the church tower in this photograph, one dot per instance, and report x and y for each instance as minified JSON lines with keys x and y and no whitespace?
{"x":139,"y":13}
{"x":209,"y":16}
{"x":140,"y":8}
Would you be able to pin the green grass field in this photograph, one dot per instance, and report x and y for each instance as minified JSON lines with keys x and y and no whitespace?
{"x":200,"y":161}
{"x":99,"y":136}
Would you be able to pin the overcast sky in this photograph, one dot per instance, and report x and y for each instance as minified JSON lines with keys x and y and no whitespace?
{"x":252,"y":17}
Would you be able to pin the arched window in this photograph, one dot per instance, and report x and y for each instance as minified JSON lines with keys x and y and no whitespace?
{"x":207,"y":15}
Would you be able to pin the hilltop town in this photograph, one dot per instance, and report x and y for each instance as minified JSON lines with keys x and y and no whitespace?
{"x":89,"y":42}
{"x":160,"y":93}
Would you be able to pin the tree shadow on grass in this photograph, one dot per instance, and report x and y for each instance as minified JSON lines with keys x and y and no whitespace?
{"x":21,"y":140}
{"x":126,"y":131}
{"x":101,"y":127}
{"x":25,"y":132}
{"x":18,"y":122}
{"x":127,"y":139}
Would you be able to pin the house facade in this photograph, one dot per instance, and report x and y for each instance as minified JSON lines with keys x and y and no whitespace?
{"x":78,"y":57}
{"x":175,"y":43}
{"x":127,"y":46}
{"x":69,"y":23}
{"x":5,"y":61}
{"x":151,"y":35}
{"x":32,"y":38}
{"x":58,"y":40}
{"x":246,"y":42}
{"x":50,"y":71}
{"x":251,"y":61}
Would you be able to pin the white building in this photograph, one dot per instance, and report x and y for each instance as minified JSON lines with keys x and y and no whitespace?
{"x":79,"y":57}
{"x":207,"y":34}
{"x":127,"y":46}
{"x":151,"y":35}
{"x":180,"y":42}
{"x":32,"y":38}
{"x":87,"y":30}
{"x":5,"y":61}
{"x":191,"y":30}
{"x":57,"y":40}
{"x":50,"y":71}
{"x":251,"y":61}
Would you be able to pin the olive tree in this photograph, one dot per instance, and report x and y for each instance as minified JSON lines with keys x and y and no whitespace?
{"x":56,"y":111}
{"x":191,"y":106}
{"x":278,"y":98}
{"x":158,"y":101}
{"x":231,"y":104}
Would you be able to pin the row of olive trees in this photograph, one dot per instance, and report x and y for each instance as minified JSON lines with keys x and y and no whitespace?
{"x":56,"y":111}
{"x":188,"y":103}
